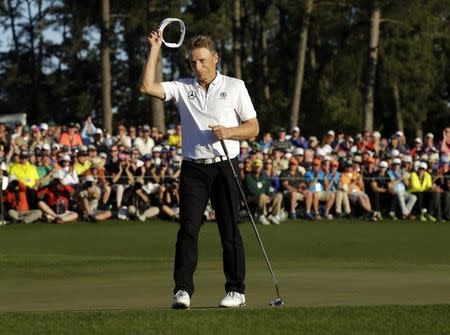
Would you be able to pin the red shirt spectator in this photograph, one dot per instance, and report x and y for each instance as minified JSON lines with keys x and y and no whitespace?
{"x":71,"y":138}
{"x":15,"y":197}
{"x":56,"y":194}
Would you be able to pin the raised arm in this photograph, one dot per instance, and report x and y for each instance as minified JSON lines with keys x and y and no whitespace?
{"x":148,"y":84}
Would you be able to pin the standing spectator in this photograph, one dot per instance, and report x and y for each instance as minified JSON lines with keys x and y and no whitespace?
{"x":15,"y":199}
{"x":244,"y":151}
{"x":318,"y":186}
{"x":122,"y":138}
{"x":47,"y":138}
{"x":145,"y":143}
{"x":421,"y":184}
{"x":88,"y":132}
{"x":282,"y":141}
{"x":398,"y":183}
{"x":296,"y":140}
{"x":257,"y":187}
{"x":71,"y":137}
{"x":445,"y":143}
{"x":132,"y":132}
{"x":266,"y":141}
{"x":429,"y":147}
{"x":295,"y":189}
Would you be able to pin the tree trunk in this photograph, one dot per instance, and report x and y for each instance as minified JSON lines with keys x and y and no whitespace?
{"x":296,"y":100}
{"x":11,"y":13}
{"x":237,"y":39}
{"x":264,"y":53}
{"x":372,"y":66}
{"x":106,"y":67}
{"x":34,"y":95}
{"x":398,"y":111}
{"x":158,"y":116}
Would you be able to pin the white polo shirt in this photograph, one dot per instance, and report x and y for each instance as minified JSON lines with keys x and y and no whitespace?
{"x":226,"y":103}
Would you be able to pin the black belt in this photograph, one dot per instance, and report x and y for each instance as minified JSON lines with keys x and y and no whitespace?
{"x":213,"y":160}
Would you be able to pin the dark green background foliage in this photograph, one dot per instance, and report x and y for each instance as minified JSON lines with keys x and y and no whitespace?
{"x":60,"y":78}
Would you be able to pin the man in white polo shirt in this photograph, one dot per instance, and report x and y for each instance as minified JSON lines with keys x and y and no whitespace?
{"x":212,"y":107}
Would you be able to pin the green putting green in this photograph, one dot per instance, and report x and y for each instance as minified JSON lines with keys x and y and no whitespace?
{"x":49,"y":270}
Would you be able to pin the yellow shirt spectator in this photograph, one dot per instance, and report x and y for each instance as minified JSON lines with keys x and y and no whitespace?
{"x":420,"y":181}
{"x":24,"y":172}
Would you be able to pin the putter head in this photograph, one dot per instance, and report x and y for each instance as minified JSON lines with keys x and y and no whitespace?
{"x":276,"y":303}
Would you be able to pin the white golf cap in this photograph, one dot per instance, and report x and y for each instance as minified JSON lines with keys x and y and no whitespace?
{"x":244,"y":144}
{"x":429,"y":135}
{"x":43,"y":126}
{"x":299,"y":152}
{"x":407,"y":159}
{"x":423,"y":165}
{"x":46,"y":146}
{"x":383,"y":164}
{"x":399,"y":133}
{"x":376,"y":134}
{"x":89,"y":178}
{"x":396,"y":161}
{"x":418,"y":140}
{"x":331,"y":132}
{"x":395,"y":153}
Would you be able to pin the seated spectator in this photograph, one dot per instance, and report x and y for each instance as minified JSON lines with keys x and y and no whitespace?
{"x":334,"y":185}
{"x":352,"y":183}
{"x":121,"y":178}
{"x":99,"y":173}
{"x":296,"y":140}
{"x":138,"y":203}
{"x":398,"y":182}
{"x":16,"y":202}
{"x":171,"y":202}
{"x":421,"y":185}
{"x":122,"y":137}
{"x":318,"y":185}
{"x":88,"y":201}
{"x":257,"y":187}
{"x":24,"y":171}
{"x":295,"y":189}
{"x":382,"y":194}
{"x":54,"y":201}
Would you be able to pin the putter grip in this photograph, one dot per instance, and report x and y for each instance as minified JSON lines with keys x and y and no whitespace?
{"x":224,"y":147}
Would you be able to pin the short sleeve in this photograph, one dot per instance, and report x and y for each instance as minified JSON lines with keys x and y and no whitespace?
{"x":170,"y":90}
{"x":245,"y":108}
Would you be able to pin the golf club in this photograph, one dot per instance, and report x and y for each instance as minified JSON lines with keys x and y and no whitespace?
{"x":277,"y":301}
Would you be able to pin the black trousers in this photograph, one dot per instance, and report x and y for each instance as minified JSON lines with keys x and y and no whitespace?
{"x":198,"y":184}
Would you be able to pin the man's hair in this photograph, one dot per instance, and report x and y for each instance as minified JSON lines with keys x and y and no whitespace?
{"x":202,"y":41}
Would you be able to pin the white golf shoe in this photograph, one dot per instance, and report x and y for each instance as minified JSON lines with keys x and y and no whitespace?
{"x":181,"y":300}
{"x":233,"y":299}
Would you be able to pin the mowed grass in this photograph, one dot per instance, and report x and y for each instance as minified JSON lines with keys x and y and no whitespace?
{"x":339,"y":277}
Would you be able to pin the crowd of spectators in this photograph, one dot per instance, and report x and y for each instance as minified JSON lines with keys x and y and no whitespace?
{"x":74,"y":172}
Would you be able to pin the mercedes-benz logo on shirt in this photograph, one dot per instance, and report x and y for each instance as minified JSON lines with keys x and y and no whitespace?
{"x":192,"y":95}
{"x":223,"y":95}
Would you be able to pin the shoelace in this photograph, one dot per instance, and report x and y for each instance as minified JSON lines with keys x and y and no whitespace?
{"x":234,"y":295}
{"x":181,"y":294}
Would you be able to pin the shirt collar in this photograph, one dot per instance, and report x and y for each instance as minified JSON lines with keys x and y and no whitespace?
{"x":215,"y":81}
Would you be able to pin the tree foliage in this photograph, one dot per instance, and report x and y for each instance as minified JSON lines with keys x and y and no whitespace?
{"x":50,"y":63}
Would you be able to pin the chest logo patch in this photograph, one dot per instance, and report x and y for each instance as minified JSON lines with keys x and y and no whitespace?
{"x":192,"y":95}
{"x":223,"y":95}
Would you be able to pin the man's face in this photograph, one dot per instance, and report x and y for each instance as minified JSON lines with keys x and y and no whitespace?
{"x":203,"y":63}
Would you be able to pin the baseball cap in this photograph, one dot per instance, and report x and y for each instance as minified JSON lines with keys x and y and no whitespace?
{"x":299,"y":152}
{"x":99,"y":131}
{"x":157,"y":149}
{"x":376,"y":134}
{"x":43,"y":126}
{"x":383,"y":164}
{"x":46,"y":147}
{"x":331,"y":132}
{"x":297,"y":129}
{"x":89,"y":178}
{"x":24,"y":154}
{"x":313,"y":139}
{"x":423,"y":165}
{"x":429,"y":135}
{"x":103,"y":155}
{"x":407,"y":159}
{"x":418,"y":140}
{"x":244,"y":144}
{"x":399,"y":133}
{"x":395,"y":153}
{"x":146,"y":127}
{"x":396,"y":161}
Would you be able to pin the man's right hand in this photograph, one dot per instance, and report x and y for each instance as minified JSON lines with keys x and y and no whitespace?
{"x":155,"y":39}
